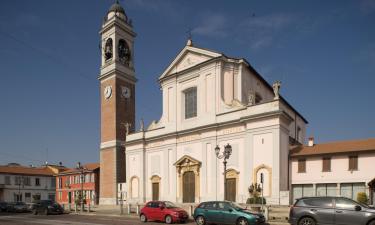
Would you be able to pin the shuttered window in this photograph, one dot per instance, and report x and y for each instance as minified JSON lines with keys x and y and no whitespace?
{"x":302,"y":166}
{"x":326,"y":164}
{"x":190,"y":102}
{"x":353,"y":162}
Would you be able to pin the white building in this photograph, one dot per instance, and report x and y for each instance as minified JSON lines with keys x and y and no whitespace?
{"x":20,"y":183}
{"x":333,"y":169}
{"x":211,"y":100}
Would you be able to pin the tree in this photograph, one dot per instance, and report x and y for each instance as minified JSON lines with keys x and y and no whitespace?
{"x":255,"y":191}
{"x":362,"y":197}
{"x":79,"y":197}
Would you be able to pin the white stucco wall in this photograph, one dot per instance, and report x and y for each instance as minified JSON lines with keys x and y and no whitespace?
{"x":44,"y":189}
{"x":339,"y":170}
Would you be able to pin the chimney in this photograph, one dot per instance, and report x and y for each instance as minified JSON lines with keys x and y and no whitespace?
{"x":60,"y":163}
{"x":311,"y":141}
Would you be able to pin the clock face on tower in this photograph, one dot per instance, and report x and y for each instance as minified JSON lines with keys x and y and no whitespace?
{"x":125,"y":92}
{"x":107,"y":92}
{"x":124,"y":52}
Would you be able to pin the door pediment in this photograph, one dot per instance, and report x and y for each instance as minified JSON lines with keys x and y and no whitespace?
{"x":187,"y":163}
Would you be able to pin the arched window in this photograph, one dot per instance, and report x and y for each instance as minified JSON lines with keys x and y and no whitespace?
{"x":124,"y":52}
{"x":190,"y":102}
{"x":134,"y":187}
{"x":108,"y":49}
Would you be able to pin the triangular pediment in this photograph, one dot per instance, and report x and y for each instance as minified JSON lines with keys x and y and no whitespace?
{"x":187,"y":58}
{"x":187,"y":161}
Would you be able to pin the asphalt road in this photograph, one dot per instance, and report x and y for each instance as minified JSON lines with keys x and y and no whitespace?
{"x":69,"y":219}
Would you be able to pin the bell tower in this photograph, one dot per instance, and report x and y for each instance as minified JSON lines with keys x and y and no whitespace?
{"x":117,"y":98}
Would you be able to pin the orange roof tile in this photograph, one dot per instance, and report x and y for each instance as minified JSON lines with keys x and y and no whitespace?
{"x":45,"y":171}
{"x":335,"y":147}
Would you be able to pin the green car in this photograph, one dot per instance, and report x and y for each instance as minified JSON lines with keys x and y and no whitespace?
{"x":223,"y":212}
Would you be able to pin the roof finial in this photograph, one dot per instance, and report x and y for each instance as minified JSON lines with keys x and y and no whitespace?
{"x":190,"y":37}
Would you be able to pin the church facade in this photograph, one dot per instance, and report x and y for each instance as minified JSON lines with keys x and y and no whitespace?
{"x":209,"y":100}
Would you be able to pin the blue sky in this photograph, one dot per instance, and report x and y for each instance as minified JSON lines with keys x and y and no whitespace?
{"x":322,"y":51}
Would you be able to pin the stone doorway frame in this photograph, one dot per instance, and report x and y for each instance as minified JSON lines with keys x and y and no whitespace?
{"x":233,"y":174}
{"x":188,"y":164}
{"x":155,"y":179}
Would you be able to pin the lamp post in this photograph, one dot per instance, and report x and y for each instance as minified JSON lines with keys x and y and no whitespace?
{"x":226,"y":154}
{"x":81,"y":170}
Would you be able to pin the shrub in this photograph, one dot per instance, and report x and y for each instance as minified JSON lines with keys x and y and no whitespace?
{"x":255,"y":200}
{"x":362,"y":197}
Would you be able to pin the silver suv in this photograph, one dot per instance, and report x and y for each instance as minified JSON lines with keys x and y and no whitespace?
{"x":330,"y":210}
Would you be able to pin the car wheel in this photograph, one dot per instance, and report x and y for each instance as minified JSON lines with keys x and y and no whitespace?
{"x":35,"y":212}
{"x":372,"y":222}
{"x":200,"y":220}
{"x":168,"y":219}
{"x":242,"y":221}
{"x":143,"y":218}
{"x":307,"y":221}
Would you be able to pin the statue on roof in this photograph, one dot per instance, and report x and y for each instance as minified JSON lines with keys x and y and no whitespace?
{"x":251,"y":98}
{"x":276,"y":89}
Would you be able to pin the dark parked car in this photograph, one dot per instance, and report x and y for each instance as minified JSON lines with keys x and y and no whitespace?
{"x":163,"y":211}
{"x":16,"y":207}
{"x":20,"y":207}
{"x":330,"y":210}
{"x":3,"y":206}
{"x":46,"y":207}
{"x":223,"y":212}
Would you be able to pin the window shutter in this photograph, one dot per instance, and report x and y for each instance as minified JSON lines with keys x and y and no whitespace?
{"x":353,"y":162}
{"x":326,"y":164}
{"x":301,"y":165}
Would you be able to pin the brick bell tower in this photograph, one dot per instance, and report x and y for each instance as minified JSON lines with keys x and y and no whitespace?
{"x":117,"y":97}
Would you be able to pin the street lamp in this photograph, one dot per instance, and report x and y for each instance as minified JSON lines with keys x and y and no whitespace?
{"x":81,"y":170}
{"x":226,"y":154}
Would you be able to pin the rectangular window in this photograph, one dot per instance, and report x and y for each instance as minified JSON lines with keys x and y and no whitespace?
{"x":26,"y":181}
{"x":87,"y":178}
{"x":59,"y":183}
{"x":302,"y":166}
{"x":326,"y":164}
{"x":17,"y":180}
{"x":353,"y":162}
{"x":326,"y":189}
{"x":302,"y":190}
{"x":190,"y":102}
{"x":351,"y":190}
{"x":53,"y":182}
{"x":93,"y":178}
{"x":7,"y":180}
{"x":37,"y":181}
{"x":28,"y":197}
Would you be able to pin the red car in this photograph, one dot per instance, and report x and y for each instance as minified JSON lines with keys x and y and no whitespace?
{"x":163,"y":211}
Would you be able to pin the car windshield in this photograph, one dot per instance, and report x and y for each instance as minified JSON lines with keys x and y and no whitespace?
{"x":363,"y":204}
{"x":170,"y":205}
{"x":236,"y":206}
